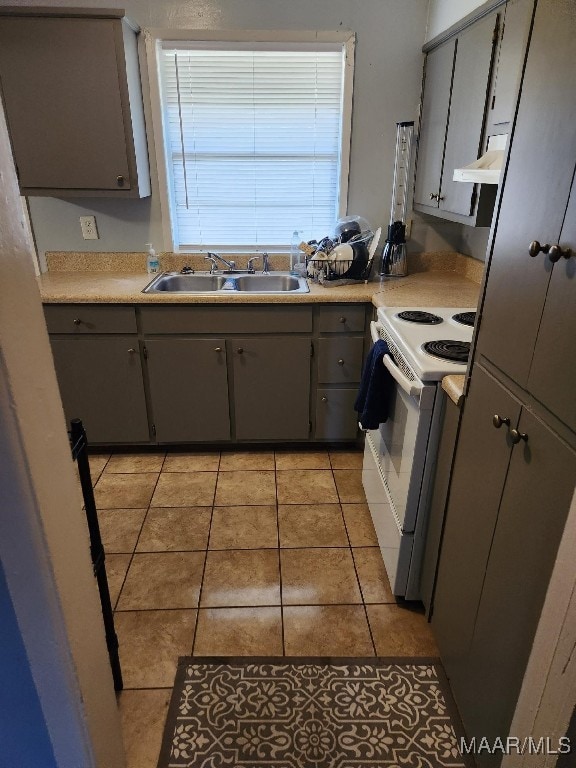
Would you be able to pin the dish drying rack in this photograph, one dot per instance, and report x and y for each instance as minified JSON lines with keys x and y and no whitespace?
{"x":334,"y":272}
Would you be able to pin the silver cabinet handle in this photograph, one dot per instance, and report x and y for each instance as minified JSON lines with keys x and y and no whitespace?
{"x":433,"y":196}
{"x":341,"y":319}
{"x":324,"y":399}
{"x":120,"y":181}
{"x":340,"y":362}
{"x":240,"y":351}
{"x":217,"y":349}
{"x":131,"y":351}
{"x":516,"y":436}
{"x":497,"y":421}
{"x":77,"y":321}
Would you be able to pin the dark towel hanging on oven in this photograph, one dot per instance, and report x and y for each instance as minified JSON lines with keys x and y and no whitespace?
{"x":376,"y":388}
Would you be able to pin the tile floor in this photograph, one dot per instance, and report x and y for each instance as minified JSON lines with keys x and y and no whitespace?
{"x":245,"y":553}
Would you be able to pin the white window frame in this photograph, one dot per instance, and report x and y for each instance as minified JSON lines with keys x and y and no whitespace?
{"x":153,"y":40}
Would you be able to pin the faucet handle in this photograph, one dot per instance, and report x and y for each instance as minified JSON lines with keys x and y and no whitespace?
{"x":265,"y":263}
{"x":249,"y":266}
{"x":213,"y":262}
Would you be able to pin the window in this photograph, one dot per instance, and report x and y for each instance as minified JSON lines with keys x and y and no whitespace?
{"x":253,"y":137}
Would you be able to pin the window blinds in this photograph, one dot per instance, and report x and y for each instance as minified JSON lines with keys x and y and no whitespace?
{"x":253,"y":139}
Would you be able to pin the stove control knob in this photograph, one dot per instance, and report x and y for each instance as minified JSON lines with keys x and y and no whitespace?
{"x":497,"y":421}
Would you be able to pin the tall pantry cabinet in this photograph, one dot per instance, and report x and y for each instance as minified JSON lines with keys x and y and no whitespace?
{"x":515,"y":464}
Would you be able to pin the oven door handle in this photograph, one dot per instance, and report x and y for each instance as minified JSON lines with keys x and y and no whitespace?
{"x":414,"y":390}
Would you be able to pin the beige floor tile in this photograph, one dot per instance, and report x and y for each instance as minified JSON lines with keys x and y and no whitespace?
{"x":150,"y":644}
{"x":306,"y":487}
{"x":175,"y":529}
{"x":302,"y":460}
{"x":318,"y":577}
{"x":245,"y":487}
{"x":128,"y":491}
{"x":116,"y":569}
{"x":143,"y":716}
{"x":97,"y":463}
{"x":244,"y":527}
{"x":372,"y":574}
{"x":191,"y":462}
{"x":239,"y":632}
{"x":135,"y":462}
{"x":241,"y":578}
{"x":360,"y":526}
{"x":326,"y":630}
{"x":119,"y":528}
{"x":346,"y":459}
{"x":162,"y":580}
{"x":349,"y":485}
{"x":246,"y":460}
{"x":311,"y":525}
{"x":398,"y":631}
{"x":185,"y":489}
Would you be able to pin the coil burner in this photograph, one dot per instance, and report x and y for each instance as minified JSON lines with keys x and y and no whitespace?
{"x":448,"y":349}
{"x":416,"y":316}
{"x":465,"y":318}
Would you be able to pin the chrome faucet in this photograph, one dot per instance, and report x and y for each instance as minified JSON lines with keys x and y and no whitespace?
{"x":265,"y":263}
{"x":215,"y":257}
{"x":249,"y":266}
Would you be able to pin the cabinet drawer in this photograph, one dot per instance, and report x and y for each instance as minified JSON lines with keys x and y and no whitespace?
{"x":342,"y":318}
{"x":88,"y":318}
{"x":340,"y":360}
{"x":336,"y":418}
{"x":231,"y":319}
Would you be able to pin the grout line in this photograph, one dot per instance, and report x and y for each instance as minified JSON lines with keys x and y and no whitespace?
{"x":205,"y":559}
{"x":248,"y":607}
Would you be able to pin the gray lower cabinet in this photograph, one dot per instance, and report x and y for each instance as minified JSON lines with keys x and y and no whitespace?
{"x":336,"y":418}
{"x":188,"y":382}
{"x":101,"y":383}
{"x":271,"y":388}
{"x":509,"y":499}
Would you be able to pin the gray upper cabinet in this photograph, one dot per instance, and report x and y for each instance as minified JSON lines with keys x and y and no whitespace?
{"x":452,"y":124}
{"x":521,"y":298}
{"x":73,"y":102}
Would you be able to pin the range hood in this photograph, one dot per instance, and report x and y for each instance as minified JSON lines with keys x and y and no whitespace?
{"x":485,"y":170}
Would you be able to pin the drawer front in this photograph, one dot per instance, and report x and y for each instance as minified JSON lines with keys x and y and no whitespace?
{"x":336,"y":418}
{"x":88,"y":318}
{"x":340,"y":360}
{"x":231,"y":319}
{"x":342,"y":318}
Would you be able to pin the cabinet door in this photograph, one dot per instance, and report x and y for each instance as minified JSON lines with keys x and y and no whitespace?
{"x":435,"y":104}
{"x":531,"y":521}
{"x":553,"y":374}
{"x":336,"y":418}
{"x":536,"y":189}
{"x":62,"y":93}
{"x":474,"y":55}
{"x":271,"y":388}
{"x":101,"y":383}
{"x":479,"y":472}
{"x":188,"y":389}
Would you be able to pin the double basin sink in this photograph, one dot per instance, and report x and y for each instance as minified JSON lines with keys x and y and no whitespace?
{"x":235,"y":283}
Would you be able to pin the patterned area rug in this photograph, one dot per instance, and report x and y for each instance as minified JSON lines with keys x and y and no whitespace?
{"x":310,"y":713}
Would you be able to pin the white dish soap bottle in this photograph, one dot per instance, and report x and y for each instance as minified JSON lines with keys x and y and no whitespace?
{"x":152,"y":263}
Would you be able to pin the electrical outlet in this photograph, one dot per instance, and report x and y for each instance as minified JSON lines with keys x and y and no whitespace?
{"x":88,"y":225}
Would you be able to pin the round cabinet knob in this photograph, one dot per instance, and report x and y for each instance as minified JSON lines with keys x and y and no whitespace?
{"x":240,"y":351}
{"x":433,"y":196}
{"x":340,"y":362}
{"x":497,"y":421}
{"x":120,"y":181}
{"x":440,"y":198}
{"x":516,"y":436}
{"x":535,"y":248}
{"x":217,"y":349}
{"x":132,"y":351}
{"x":341,"y":319}
{"x":555,"y":253}
{"x":324,"y":399}
{"x":77,"y":321}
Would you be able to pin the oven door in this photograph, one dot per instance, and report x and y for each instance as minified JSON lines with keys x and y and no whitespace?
{"x":400,"y":444}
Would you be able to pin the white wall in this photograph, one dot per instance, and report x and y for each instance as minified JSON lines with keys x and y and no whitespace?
{"x":388,"y":70}
{"x":443,"y":13}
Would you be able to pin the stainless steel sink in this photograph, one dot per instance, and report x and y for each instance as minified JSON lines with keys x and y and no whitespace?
{"x":278,"y":282}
